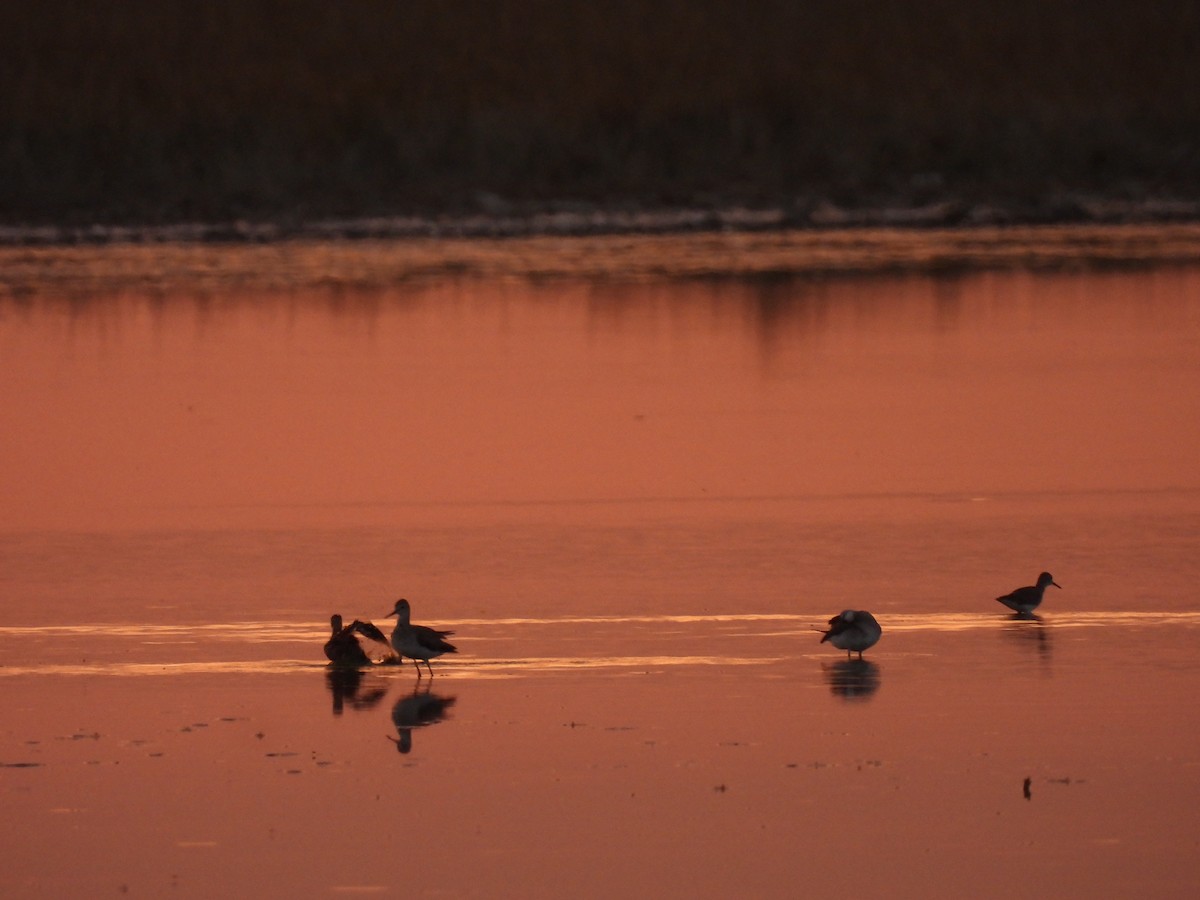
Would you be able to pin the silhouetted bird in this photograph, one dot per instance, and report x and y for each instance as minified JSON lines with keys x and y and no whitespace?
{"x":853,"y":630}
{"x":418,"y":642}
{"x":1026,"y":599}
{"x":357,"y":644}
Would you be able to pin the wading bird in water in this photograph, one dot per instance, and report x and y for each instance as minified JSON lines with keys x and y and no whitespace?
{"x":357,"y":644}
{"x":853,"y":630}
{"x":418,"y":642}
{"x":1025,"y":600}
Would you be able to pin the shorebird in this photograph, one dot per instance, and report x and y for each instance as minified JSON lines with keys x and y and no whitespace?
{"x":853,"y":630}
{"x":418,"y":642}
{"x":357,"y":644}
{"x":1025,"y":600}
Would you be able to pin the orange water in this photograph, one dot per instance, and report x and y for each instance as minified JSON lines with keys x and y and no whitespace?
{"x":633,"y":500}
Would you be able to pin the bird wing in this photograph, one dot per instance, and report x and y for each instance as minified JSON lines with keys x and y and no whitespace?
{"x":372,"y":641}
{"x":432,"y":639}
{"x":836,"y":626}
{"x":367,"y":629}
{"x":1020,"y":595}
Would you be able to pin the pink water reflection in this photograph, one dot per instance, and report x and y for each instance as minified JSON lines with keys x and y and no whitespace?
{"x":580,"y":478}
{"x":132,"y":410}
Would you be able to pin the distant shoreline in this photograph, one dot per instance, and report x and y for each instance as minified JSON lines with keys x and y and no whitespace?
{"x":495,"y":218}
{"x":250,"y":120}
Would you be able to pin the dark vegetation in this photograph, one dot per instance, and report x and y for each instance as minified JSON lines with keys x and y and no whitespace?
{"x":155,"y":111}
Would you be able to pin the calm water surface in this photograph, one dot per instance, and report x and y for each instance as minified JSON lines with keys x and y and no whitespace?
{"x":633,"y":500}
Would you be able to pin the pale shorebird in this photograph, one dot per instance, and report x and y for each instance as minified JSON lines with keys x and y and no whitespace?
{"x":1025,"y":600}
{"x":357,"y":644}
{"x":418,"y":642}
{"x":853,"y":630}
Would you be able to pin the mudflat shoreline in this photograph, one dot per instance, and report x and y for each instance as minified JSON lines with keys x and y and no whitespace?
{"x":496,"y":218}
{"x":114,"y":261}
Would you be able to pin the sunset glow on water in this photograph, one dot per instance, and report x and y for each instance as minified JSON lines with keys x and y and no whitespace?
{"x":635,"y":501}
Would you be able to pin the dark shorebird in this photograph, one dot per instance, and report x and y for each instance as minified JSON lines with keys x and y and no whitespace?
{"x":357,"y":644}
{"x":1025,"y":600}
{"x":853,"y":630}
{"x":418,"y":642}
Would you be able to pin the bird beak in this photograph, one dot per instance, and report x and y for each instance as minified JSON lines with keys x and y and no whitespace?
{"x":389,"y":615}
{"x":1057,"y":585}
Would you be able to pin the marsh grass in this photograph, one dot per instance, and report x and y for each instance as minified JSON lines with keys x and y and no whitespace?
{"x":153,"y":110}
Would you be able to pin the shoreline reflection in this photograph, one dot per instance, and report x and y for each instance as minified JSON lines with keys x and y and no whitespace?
{"x":676,"y":390}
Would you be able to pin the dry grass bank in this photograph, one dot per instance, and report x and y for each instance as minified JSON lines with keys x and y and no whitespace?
{"x":167,"y":110}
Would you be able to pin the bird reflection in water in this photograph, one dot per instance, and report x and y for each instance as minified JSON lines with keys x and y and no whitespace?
{"x":350,"y":686}
{"x":852,"y":679}
{"x":422,"y":708}
{"x":1030,"y":629}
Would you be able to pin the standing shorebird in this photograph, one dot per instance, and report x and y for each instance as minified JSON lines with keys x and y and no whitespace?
{"x":416,"y":641}
{"x":853,"y":630}
{"x":1025,"y":600}
{"x":357,"y":644}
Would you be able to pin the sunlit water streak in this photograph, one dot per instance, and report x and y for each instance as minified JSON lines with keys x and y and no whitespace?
{"x":125,"y":669}
{"x":256,"y":632}
{"x":94,"y":642}
{"x":477,"y":668}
